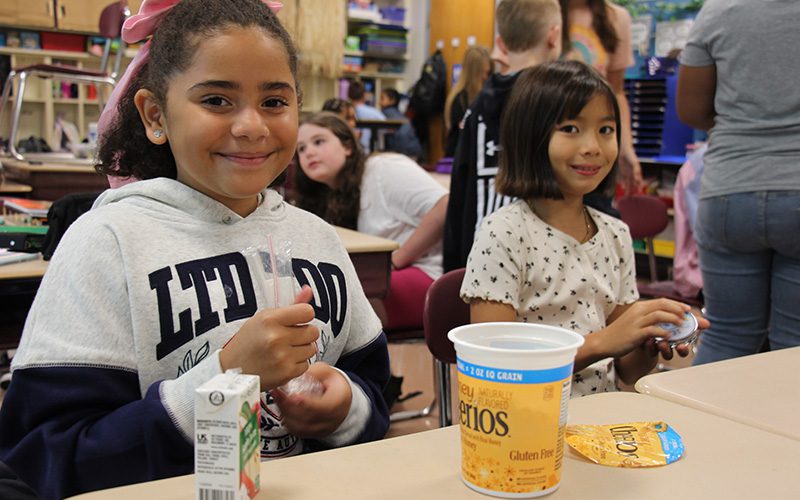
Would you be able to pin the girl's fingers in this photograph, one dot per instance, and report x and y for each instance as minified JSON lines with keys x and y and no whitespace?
{"x":304,"y":296}
{"x":651,"y":347}
{"x":702,"y":323}
{"x":653,"y":332}
{"x":296,"y":314}
{"x":660,"y":316}
{"x":665,"y":349}
{"x":667,"y":305}
{"x":303,"y":335}
{"x":309,"y":350}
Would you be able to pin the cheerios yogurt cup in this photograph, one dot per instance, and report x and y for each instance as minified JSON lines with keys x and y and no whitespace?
{"x":514,"y":385}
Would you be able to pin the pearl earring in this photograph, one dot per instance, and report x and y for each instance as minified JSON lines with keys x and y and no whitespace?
{"x":157,"y":133}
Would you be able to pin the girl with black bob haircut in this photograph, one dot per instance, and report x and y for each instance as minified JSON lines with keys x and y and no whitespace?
{"x":547,"y":258}
{"x":161,"y":286}
{"x":525,"y":134}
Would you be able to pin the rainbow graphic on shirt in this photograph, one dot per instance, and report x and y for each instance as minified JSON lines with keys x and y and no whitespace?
{"x":587,"y":48}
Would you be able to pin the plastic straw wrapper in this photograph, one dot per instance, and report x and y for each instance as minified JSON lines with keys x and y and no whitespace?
{"x":272,"y":269}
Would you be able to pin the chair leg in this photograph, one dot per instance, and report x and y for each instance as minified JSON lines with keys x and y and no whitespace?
{"x":16,"y":111}
{"x":118,"y":58}
{"x":442,"y":374}
{"x":399,"y":416}
{"x":409,"y":414}
{"x":7,"y":91}
{"x":651,"y":260}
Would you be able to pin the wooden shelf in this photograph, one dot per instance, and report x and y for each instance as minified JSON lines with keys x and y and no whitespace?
{"x":372,"y":55}
{"x":56,"y":54}
{"x":383,"y":64}
{"x":373,"y":74}
{"x":355,"y":18}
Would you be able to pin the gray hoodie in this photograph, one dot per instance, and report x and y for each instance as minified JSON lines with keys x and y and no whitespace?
{"x":140,"y":296}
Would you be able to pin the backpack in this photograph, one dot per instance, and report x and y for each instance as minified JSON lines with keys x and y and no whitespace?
{"x":429,"y":93}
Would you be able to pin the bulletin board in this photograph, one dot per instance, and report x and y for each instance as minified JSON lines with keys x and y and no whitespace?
{"x":660,"y":28}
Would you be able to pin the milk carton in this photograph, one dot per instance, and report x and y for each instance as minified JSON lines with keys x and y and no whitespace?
{"x":226,"y":460}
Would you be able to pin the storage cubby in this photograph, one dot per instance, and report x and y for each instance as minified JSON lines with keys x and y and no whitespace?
{"x":657,"y":133}
{"x":45,"y":99}
{"x":376,"y":47}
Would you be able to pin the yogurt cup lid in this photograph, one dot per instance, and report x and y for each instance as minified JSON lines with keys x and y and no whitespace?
{"x":681,"y":333}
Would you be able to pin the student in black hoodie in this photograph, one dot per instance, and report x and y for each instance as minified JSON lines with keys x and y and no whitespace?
{"x":529,"y":35}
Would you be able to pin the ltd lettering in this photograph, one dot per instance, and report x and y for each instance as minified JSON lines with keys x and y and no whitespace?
{"x":231,"y":273}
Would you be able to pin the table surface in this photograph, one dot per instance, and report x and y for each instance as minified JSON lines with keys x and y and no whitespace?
{"x":53,"y":165}
{"x":353,"y":241}
{"x":11,"y":187}
{"x":723,"y":459}
{"x":761,"y":390}
{"x":391,"y":124}
{"x":356,"y":242}
{"x":26,"y":269}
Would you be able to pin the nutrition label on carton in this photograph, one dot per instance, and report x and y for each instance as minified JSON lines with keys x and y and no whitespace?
{"x":217,"y":446}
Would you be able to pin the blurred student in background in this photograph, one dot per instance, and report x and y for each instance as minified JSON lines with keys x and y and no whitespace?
{"x":529,"y":35}
{"x":343,"y":108}
{"x":357,"y":93}
{"x":386,"y":195}
{"x":404,"y":140}
{"x":475,"y":69}
{"x":390,"y":104}
{"x":598,"y":33}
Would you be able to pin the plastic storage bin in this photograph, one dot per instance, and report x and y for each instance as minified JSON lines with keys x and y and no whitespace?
{"x":63,"y":41}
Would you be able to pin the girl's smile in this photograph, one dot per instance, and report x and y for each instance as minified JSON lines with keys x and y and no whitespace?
{"x":583,"y":149}
{"x":246,"y":159}
{"x":587,"y":170}
{"x":231,"y":117}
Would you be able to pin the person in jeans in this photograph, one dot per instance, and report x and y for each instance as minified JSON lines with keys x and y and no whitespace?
{"x":735,"y":83}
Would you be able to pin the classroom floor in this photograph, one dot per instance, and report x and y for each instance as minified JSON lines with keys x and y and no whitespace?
{"x":414,"y":363}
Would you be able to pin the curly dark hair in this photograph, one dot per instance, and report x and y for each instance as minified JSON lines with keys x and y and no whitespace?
{"x":124,"y":149}
{"x":338,"y":205}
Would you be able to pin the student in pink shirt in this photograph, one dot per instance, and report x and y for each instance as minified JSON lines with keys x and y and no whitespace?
{"x":598,"y":33}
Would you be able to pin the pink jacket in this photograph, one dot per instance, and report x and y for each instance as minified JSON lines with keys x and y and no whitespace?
{"x":687,"y":276}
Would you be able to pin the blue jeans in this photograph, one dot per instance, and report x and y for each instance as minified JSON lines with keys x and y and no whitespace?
{"x":749,"y":246}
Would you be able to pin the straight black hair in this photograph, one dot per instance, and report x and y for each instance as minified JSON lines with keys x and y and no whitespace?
{"x":543,"y":97}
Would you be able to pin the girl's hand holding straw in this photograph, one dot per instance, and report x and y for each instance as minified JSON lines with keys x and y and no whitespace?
{"x":274,"y":344}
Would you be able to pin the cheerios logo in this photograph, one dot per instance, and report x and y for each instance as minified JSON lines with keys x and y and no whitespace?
{"x":625,"y":437}
{"x":483,"y":419}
